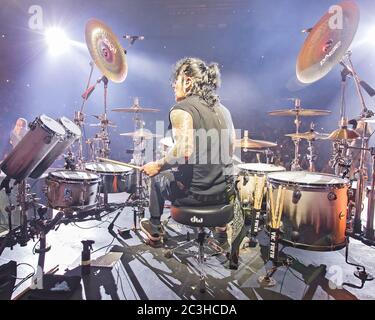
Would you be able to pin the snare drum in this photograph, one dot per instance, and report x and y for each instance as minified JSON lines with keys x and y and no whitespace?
{"x":73,"y":132}
{"x":76,"y":190}
{"x":314,"y":211}
{"x":113,"y":176}
{"x":42,"y":137}
{"x":246,"y":178}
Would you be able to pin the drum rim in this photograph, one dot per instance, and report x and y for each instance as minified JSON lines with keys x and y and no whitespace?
{"x":345,"y":182}
{"x":48,"y":129}
{"x":260,"y":171}
{"x":51,"y":176}
{"x":78,"y":132}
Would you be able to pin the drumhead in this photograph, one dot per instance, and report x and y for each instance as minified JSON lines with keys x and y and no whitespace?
{"x":74,"y":175}
{"x":106,"y":168}
{"x":306,"y":178}
{"x":52,"y":125}
{"x":260,"y":167}
{"x":70,"y":126}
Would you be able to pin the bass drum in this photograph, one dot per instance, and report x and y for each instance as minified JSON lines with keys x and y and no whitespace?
{"x":74,"y":190}
{"x":42,"y":137}
{"x":73,"y":132}
{"x":246,"y":178}
{"x":114,"y":177}
{"x":314,"y":211}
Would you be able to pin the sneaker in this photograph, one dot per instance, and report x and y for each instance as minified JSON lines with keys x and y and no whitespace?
{"x":153,"y":232}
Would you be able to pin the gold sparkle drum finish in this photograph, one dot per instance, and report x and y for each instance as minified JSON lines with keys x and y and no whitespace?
{"x":314,"y":211}
{"x":246,"y":178}
{"x":72,"y":190}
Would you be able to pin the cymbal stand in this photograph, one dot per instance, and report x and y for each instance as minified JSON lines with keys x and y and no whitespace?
{"x":79,"y":117}
{"x":104,"y":149}
{"x":361,"y":182}
{"x":311,"y":156}
{"x":295,"y":166}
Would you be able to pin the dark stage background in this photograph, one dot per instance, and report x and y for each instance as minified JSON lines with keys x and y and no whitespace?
{"x":256,"y":43}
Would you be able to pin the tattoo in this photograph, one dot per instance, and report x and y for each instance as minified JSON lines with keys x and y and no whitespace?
{"x":183,"y":134}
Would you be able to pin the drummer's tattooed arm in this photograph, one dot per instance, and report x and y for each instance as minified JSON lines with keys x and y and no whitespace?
{"x":182,"y":127}
{"x":183,"y":148}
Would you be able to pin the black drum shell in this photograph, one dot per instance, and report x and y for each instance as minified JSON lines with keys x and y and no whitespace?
{"x":31,"y":150}
{"x":55,"y":152}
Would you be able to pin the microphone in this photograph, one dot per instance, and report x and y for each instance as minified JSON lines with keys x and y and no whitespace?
{"x":133,"y":38}
{"x":88,"y":92}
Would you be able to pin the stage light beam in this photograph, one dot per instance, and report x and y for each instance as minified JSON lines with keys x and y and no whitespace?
{"x":57,"y":41}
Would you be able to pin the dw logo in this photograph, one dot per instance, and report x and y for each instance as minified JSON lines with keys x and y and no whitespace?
{"x":196,"y":220}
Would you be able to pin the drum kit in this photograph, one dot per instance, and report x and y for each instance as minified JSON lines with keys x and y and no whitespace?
{"x":301,"y":208}
{"x":83,"y":185}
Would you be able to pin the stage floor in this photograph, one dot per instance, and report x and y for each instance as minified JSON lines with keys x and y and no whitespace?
{"x":134,"y":270}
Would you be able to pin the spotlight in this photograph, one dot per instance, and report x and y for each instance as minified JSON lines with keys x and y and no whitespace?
{"x":56,"y":40}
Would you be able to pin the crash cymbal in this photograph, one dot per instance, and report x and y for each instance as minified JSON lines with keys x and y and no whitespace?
{"x":135,"y":110}
{"x":140,"y":134}
{"x":300,"y":111}
{"x":343,"y":134}
{"x":327,"y":42}
{"x":309,"y":135}
{"x":247,"y":143}
{"x":106,"y":51}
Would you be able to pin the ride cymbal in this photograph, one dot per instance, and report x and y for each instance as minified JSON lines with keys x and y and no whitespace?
{"x":106,"y":51}
{"x":309,"y":135}
{"x":327,"y":42}
{"x":140,"y":134}
{"x":300,"y":112}
{"x":247,"y":143}
{"x":135,"y":110}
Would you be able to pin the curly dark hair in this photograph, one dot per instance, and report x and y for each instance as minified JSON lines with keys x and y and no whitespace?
{"x":206,"y":78}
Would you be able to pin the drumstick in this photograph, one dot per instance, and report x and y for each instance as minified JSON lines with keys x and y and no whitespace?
{"x":120,"y":163}
{"x":271,"y":204}
{"x":281,"y":208}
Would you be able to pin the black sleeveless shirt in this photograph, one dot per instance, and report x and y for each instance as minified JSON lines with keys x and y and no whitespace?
{"x":205,"y":172}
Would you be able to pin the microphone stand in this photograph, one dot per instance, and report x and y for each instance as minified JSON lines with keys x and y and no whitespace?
{"x":361,"y":182}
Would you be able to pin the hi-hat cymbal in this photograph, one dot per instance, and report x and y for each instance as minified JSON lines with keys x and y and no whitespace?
{"x":106,"y":51}
{"x":145,"y":134}
{"x":135,"y":109}
{"x":327,"y":42}
{"x":300,"y":112}
{"x":343,"y":134}
{"x":247,"y":143}
{"x":309,"y":135}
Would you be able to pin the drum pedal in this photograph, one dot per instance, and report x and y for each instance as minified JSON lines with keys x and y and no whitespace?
{"x":124,"y":233}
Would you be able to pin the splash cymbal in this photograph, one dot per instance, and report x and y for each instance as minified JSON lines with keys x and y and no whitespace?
{"x":106,"y":51}
{"x":343,"y":134}
{"x":327,"y":42}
